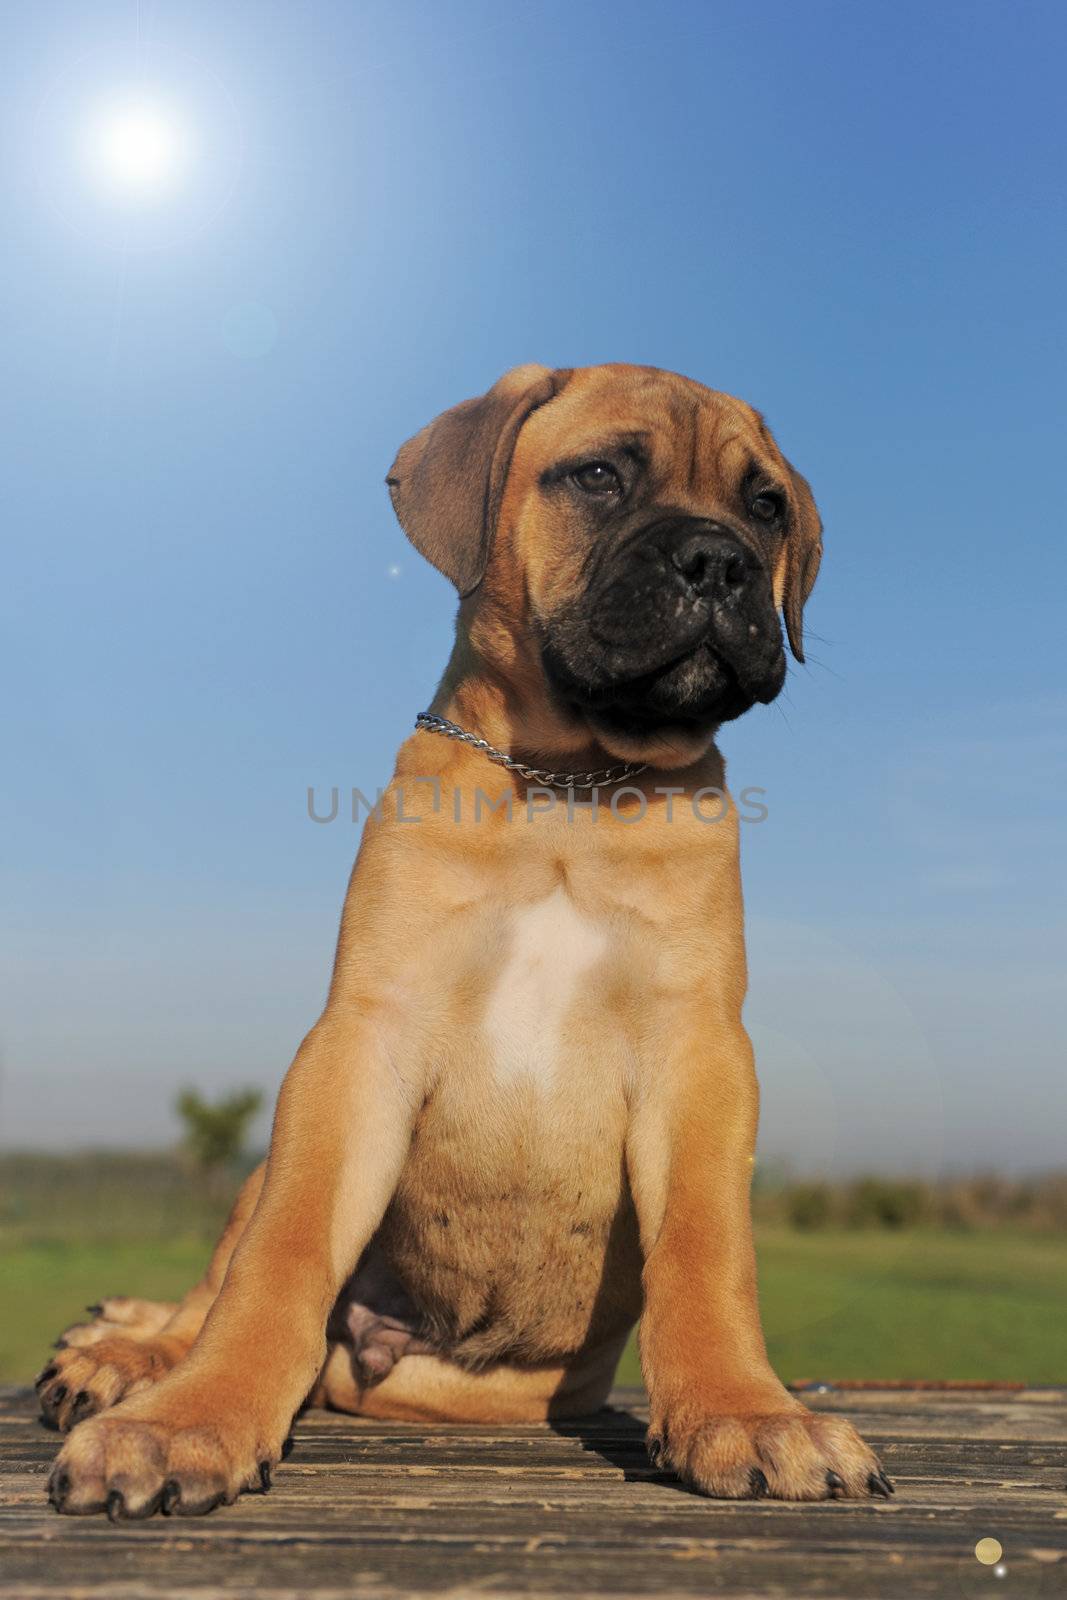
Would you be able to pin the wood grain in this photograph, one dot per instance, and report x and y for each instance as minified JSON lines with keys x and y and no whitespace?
{"x":371,"y":1510}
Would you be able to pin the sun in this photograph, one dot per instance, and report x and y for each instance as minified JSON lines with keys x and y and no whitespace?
{"x":138,"y":146}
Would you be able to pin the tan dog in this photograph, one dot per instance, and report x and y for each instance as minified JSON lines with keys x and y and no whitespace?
{"x":527,"y":1114}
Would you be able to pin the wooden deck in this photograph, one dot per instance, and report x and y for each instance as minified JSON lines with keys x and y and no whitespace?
{"x":370,"y":1509}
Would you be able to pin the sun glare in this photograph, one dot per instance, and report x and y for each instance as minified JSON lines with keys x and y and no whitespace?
{"x":138,"y":147}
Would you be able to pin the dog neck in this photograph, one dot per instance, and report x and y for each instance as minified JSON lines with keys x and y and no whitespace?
{"x":495,"y":688}
{"x":513,"y":711}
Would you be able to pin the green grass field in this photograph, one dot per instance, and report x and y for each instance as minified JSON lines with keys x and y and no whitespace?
{"x":837,"y":1304}
{"x":912,"y":1304}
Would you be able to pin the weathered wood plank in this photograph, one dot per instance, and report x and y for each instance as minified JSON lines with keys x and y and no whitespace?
{"x":376,"y":1510}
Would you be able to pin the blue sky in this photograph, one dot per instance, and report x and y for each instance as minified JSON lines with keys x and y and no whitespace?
{"x":851,"y":215}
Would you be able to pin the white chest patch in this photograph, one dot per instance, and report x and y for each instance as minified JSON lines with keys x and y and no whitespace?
{"x":551,"y":948}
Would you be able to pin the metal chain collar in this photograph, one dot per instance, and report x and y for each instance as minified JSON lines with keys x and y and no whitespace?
{"x":429,"y":722}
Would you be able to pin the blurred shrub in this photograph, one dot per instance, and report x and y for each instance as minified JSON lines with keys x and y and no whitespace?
{"x":215,"y":1131}
{"x":1035,"y":1203}
{"x":106,"y":1195}
{"x":885,"y":1203}
{"x":810,"y":1205}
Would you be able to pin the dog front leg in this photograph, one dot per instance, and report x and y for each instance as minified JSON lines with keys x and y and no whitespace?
{"x":719,"y":1415}
{"x":216,"y":1424}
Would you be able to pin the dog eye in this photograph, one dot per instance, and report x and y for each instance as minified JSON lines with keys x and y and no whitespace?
{"x":766,"y":507}
{"x":597,"y":477}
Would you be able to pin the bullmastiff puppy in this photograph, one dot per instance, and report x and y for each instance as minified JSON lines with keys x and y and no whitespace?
{"x":527,"y":1114}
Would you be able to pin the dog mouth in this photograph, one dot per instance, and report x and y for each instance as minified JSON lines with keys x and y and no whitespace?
{"x":680,"y":633}
{"x":694,"y":688}
{"x":642,"y":695}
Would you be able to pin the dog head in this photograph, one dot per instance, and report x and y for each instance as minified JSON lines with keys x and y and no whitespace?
{"x":623,"y":540}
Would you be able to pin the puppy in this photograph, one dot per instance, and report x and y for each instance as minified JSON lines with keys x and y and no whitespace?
{"x":527,"y":1114}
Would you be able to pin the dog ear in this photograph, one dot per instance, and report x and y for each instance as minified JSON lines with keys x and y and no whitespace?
{"x":447,"y":482}
{"x":803,"y":553}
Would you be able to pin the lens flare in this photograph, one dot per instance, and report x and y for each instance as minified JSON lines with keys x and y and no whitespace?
{"x":138,"y":147}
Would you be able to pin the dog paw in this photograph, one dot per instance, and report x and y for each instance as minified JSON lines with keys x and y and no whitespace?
{"x":122,"y":1314}
{"x":83,"y":1379}
{"x":786,"y":1455}
{"x":130,"y":1466}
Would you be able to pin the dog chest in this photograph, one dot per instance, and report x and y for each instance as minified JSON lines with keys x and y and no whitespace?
{"x":514,"y":1192}
{"x":549,"y":953}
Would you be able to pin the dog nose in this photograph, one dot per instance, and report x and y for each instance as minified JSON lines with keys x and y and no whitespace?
{"x":712,"y":562}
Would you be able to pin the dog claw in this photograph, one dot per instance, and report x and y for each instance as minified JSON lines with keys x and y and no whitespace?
{"x":657,"y":1450}
{"x":82,"y":1407}
{"x":171,"y":1498}
{"x":95,"y":1311}
{"x":757,"y":1483}
{"x":834,"y":1482}
{"x":46,"y":1376}
{"x":58,"y":1489}
{"x":264,"y":1476}
{"x":879,"y":1484}
{"x":116,"y":1506}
